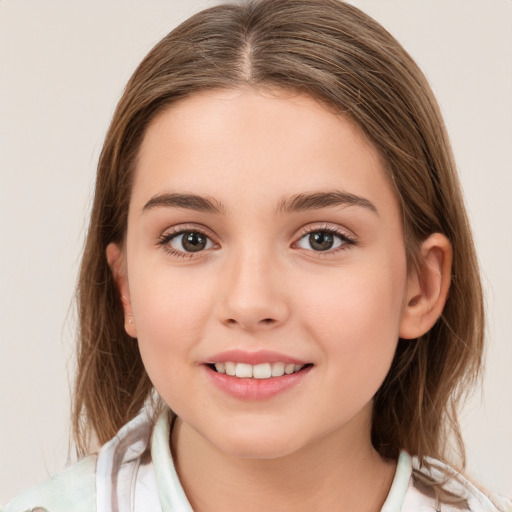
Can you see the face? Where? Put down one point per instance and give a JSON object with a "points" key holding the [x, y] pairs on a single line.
{"points": [[264, 266]]}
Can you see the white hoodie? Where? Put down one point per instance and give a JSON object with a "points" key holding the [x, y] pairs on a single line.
{"points": [[134, 472]]}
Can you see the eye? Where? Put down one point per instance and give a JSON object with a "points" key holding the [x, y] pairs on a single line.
{"points": [[188, 241], [323, 240]]}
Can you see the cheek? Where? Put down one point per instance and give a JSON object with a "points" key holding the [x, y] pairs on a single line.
{"points": [[352, 303], [355, 321], [171, 314]]}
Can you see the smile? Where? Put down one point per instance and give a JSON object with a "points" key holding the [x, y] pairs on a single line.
{"points": [[255, 375], [260, 381], [257, 371]]}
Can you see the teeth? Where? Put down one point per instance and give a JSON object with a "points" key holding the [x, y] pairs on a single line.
{"points": [[230, 368], [262, 371], [277, 369], [289, 369], [243, 370], [258, 371]]}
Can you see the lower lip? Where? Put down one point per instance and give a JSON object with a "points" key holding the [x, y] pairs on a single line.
{"points": [[256, 389]]}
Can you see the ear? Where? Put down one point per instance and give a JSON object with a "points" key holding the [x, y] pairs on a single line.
{"points": [[116, 262], [427, 288]]}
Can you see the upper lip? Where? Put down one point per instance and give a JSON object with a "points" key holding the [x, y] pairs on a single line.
{"points": [[253, 358]]}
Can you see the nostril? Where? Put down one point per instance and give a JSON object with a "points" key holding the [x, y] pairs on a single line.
{"points": [[264, 322]]}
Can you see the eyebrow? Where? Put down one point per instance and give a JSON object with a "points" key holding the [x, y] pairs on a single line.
{"points": [[186, 201], [318, 200], [295, 203]]}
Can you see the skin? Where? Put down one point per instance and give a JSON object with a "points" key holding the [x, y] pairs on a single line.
{"points": [[259, 284]]}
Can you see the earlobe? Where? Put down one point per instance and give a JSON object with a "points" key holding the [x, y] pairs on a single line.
{"points": [[427, 287], [116, 262]]}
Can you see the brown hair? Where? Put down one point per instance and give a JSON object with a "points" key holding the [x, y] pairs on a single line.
{"points": [[340, 56]]}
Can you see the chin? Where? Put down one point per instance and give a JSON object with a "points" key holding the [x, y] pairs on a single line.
{"points": [[263, 449], [258, 442]]}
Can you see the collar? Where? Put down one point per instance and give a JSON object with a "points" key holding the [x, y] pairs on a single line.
{"points": [[173, 498], [171, 493]]}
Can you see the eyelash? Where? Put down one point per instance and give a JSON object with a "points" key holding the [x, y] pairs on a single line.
{"points": [[166, 238], [346, 240]]}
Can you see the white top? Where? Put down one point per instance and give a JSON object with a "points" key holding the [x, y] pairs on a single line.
{"points": [[134, 472]]}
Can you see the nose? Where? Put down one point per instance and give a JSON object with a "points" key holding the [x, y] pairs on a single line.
{"points": [[253, 294]]}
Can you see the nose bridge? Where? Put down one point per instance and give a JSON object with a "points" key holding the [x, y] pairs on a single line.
{"points": [[253, 296]]}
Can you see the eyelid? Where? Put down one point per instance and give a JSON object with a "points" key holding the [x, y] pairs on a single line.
{"points": [[346, 235], [174, 231], [188, 226]]}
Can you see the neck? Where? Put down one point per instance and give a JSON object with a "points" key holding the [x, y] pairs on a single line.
{"points": [[326, 475]]}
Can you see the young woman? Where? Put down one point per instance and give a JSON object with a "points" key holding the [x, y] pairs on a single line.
{"points": [[279, 300]]}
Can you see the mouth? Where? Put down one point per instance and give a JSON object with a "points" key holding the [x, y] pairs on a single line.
{"points": [[256, 375], [259, 371]]}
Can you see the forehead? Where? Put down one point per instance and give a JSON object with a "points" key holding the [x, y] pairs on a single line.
{"points": [[250, 145]]}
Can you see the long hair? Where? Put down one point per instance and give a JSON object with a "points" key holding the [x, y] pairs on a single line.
{"points": [[345, 60]]}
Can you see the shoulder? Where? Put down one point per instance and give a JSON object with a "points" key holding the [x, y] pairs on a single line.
{"points": [[452, 491], [104, 481], [72, 490]]}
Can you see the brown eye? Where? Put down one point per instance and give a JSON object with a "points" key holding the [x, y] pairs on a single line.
{"points": [[322, 240], [190, 241]]}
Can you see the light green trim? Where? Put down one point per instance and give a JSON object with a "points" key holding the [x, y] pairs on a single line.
{"points": [[400, 485], [171, 493]]}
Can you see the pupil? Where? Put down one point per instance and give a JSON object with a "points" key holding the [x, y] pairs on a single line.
{"points": [[193, 242], [321, 241]]}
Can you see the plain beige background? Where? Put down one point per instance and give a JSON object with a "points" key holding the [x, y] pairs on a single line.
{"points": [[63, 65]]}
